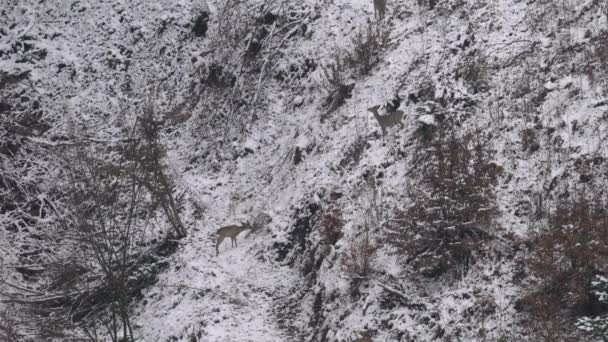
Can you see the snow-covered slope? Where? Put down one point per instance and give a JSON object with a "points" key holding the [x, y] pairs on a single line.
{"points": [[258, 145]]}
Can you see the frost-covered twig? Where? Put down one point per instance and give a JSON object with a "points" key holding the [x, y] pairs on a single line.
{"points": [[399, 294]]}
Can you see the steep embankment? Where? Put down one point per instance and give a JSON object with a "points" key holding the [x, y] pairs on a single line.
{"points": [[526, 80]]}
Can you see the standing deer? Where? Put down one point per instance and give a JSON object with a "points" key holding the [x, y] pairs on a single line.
{"points": [[387, 120], [363, 339], [229, 231], [379, 7]]}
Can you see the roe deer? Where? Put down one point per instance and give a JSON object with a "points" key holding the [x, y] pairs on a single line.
{"points": [[379, 7], [388, 120], [229, 231]]}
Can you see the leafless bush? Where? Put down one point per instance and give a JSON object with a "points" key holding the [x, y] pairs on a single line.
{"points": [[108, 201], [353, 153], [564, 257], [358, 259], [245, 42], [9, 328], [475, 73], [147, 154], [260, 220], [336, 85], [112, 208], [102, 229], [368, 45], [112, 194], [589, 167], [335, 73], [529, 141], [331, 225], [451, 208]]}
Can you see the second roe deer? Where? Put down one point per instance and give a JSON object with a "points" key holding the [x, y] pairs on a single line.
{"points": [[363, 339], [229, 231], [379, 7], [387, 120]]}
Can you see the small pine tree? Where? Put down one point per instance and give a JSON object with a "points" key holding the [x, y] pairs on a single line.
{"points": [[450, 208]]}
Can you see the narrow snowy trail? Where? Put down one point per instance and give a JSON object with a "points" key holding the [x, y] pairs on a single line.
{"points": [[222, 298], [247, 287], [230, 296]]}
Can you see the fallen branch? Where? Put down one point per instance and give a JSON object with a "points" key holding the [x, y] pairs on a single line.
{"points": [[402, 295]]}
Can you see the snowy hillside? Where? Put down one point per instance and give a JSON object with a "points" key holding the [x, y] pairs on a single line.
{"points": [[483, 216]]}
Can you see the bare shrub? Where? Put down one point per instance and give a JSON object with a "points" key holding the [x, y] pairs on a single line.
{"points": [[335, 73], [353, 153], [450, 210], [475, 73], [529, 141], [9, 328], [108, 202], [260, 220], [360, 253], [368, 45], [331, 225], [243, 49], [335, 82], [147, 154], [358, 259], [112, 196], [565, 256]]}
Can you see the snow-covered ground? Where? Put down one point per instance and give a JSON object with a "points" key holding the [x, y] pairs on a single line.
{"points": [[102, 56]]}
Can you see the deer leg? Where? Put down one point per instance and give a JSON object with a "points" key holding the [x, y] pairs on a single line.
{"points": [[217, 245], [236, 244]]}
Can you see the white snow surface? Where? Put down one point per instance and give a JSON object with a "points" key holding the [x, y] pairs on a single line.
{"points": [[243, 294]]}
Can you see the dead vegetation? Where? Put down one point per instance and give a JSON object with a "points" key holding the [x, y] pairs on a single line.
{"points": [[110, 241], [346, 65], [331, 225], [565, 255], [367, 46]]}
